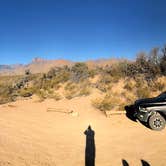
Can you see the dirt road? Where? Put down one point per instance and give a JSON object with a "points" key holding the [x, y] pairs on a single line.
{"points": [[31, 136]]}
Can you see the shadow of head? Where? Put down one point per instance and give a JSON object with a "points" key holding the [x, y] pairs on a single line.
{"points": [[145, 163], [124, 163], [130, 112]]}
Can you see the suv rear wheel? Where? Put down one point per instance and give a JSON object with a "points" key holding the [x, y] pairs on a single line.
{"points": [[157, 122]]}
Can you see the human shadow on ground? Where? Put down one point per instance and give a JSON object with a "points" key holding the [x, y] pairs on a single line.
{"points": [[124, 163], [90, 149], [143, 162]]}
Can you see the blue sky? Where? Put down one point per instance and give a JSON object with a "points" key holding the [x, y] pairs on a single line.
{"points": [[79, 29]]}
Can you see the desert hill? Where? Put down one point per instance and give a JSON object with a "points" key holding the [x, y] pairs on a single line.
{"points": [[39, 65]]}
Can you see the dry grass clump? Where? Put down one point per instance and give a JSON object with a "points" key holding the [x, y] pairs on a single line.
{"points": [[77, 89], [129, 97], [85, 88], [26, 92], [56, 96], [138, 88], [108, 103], [160, 84], [7, 91], [142, 88], [71, 90], [41, 94], [143, 92], [85, 91], [104, 83], [44, 94], [129, 84]]}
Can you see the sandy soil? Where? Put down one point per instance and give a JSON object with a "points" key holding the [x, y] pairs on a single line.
{"points": [[31, 136]]}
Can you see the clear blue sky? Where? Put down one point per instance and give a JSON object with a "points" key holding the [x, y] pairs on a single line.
{"points": [[79, 29]]}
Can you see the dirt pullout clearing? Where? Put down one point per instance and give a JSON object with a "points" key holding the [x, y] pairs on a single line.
{"points": [[31, 136]]}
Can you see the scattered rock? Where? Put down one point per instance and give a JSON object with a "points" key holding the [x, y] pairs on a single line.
{"points": [[74, 114]]}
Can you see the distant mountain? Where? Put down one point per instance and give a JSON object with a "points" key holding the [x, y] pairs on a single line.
{"points": [[101, 62], [6, 67], [39, 65]]}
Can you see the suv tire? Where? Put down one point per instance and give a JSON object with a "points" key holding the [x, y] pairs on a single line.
{"points": [[157, 122]]}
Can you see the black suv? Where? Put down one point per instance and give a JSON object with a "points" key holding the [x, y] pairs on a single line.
{"points": [[152, 111]]}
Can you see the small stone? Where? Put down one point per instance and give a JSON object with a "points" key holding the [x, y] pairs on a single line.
{"points": [[74, 114]]}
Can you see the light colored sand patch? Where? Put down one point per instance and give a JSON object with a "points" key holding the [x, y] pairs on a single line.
{"points": [[30, 136]]}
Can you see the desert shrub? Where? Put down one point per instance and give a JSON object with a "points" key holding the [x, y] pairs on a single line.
{"points": [[27, 72], [163, 67], [111, 73], [92, 73], [71, 90], [70, 86], [26, 92], [102, 105], [52, 72], [50, 93], [46, 84], [132, 70], [84, 91], [53, 78], [163, 61], [57, 96], [80, 72], [74, 89], [6, 94], [143, 92], [41, 94], [129, 96], [101, 86], [107, 103], [140, 66], [71, 94], [128, 86], [146, 65], [106, 79], [159, 84], [53, 95], [61, 77], [121, 69], [105, 83], [8, 91], [140, 81]]}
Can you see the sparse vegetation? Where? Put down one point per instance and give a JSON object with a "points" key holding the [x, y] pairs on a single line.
{"points": [[141, 78], [107, 103]]}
